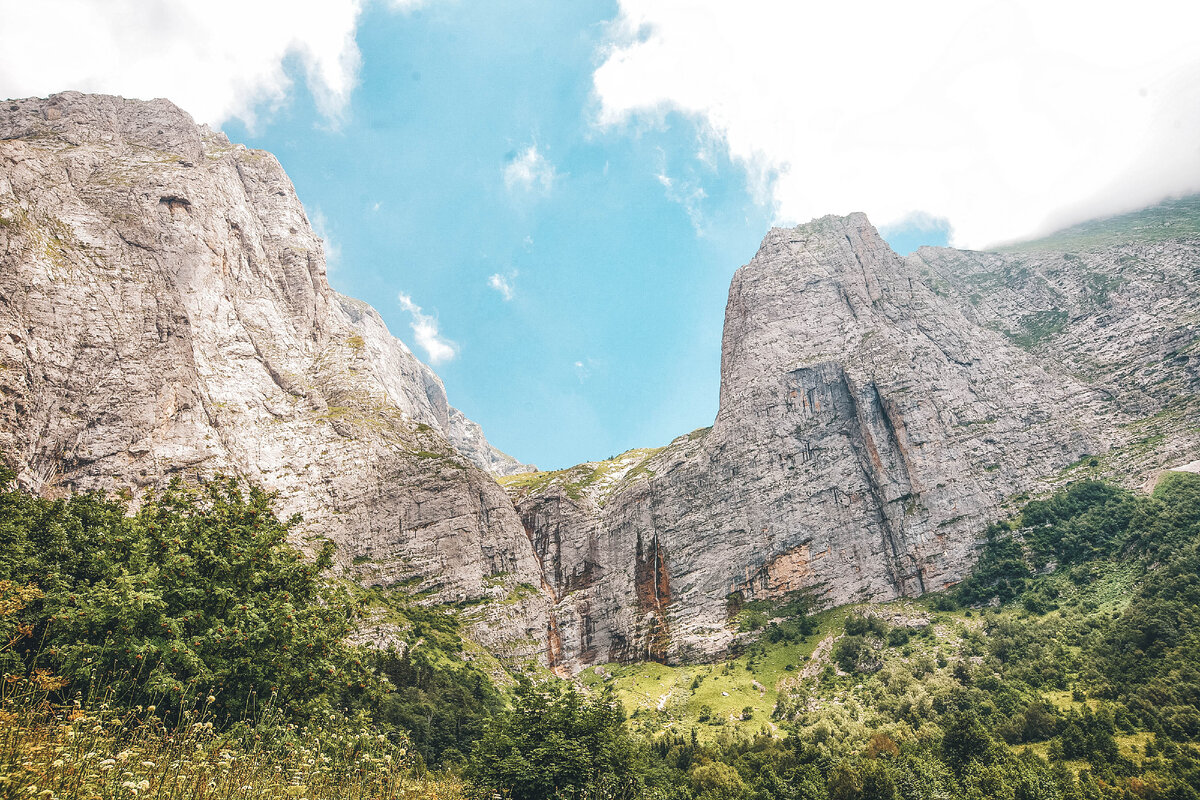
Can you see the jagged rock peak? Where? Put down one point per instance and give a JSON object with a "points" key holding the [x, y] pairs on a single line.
{"points": [[160, 131], [117, 122]]}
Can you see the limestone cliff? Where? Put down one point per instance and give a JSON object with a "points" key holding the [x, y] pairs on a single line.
{"points": [[875, 413], [164, 310]]}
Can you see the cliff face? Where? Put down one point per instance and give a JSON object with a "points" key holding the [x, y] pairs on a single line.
{"points": [[875, 413], [164, 310]]}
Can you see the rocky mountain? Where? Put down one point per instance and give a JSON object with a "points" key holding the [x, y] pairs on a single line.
{"points": [[164, 311], [875, 412]]}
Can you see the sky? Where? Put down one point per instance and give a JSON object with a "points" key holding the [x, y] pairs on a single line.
{"points": [[546, 200]]}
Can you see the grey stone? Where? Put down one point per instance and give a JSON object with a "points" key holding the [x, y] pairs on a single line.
{"points": [[164, 310], [875, 414]]}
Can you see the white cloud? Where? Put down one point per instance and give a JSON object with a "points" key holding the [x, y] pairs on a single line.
{"points": [[1003, 118], [217, 59], [921, 222], [503, 284], [320, 226], [529, 171], [425, 329], [686, 192]]}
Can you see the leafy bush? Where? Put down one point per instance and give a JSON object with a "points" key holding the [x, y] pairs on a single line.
{"points": [[197, 595], [444, 706], [555, 742]]}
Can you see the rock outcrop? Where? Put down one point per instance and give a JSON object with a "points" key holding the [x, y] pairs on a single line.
{"points": [[875, 413], [164, 310]]}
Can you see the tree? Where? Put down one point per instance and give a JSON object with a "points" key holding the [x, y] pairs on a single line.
{"points": [[198, 595], [967, 740], [555, 742]]}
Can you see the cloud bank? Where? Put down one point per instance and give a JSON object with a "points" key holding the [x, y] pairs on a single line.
{"points": [[1007, 119], [425, 329], [217, 59]]}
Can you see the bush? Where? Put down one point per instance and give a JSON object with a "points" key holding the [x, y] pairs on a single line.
{"points": [[197, 595], [556, 743]]}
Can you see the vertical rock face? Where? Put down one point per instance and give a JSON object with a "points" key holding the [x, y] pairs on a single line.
{"points": [[164, 310], [875, 413]]}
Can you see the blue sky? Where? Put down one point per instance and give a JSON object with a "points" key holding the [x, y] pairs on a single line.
{"points": [[557, 193], [611, 337]]}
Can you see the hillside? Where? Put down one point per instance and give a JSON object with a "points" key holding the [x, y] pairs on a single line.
{"points": [[166, 312], [1063, 667], [876, 413]]}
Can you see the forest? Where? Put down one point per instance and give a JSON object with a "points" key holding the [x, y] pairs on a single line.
{"points": [[187, 648]]}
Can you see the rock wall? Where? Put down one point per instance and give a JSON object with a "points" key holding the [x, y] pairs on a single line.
{"points": [[164, 310], [875, 414]]}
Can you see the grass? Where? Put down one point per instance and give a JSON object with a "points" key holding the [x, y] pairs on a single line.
{"points": [[1129, 745], [93, 751], [597, 479], [660, 697], [1168, 220], [711, 697], [1038, 327]]}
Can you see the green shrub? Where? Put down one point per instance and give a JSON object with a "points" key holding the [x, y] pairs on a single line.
{"points": [[196, 595], [556, 743]]}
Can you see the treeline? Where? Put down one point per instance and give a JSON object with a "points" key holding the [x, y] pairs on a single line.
{"points": [[198, 605], [1061, 692]]}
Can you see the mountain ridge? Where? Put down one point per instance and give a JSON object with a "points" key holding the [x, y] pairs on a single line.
{"points": [[943, 414], [164, 310]]}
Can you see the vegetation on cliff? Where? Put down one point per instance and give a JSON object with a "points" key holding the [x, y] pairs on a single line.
{"points": [[187, 650]]}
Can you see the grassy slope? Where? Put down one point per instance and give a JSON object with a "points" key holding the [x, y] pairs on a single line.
{"points": [[662, 698], [597, 478], [1167, 220]]}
